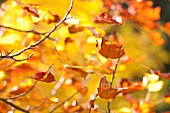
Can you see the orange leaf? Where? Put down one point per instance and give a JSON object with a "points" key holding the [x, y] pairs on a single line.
{"points": [[156, 38], [17, 90], [44, 77], [77, 71], [167, 98], [105, 91], [51, 18], [74, 29], [162, 75], [109, 50], [106, 18], [128, 87]]}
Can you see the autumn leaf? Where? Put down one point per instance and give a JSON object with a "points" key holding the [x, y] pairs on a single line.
{"points": [[109, 50], [162, 75], [30, 8], [105, 91], [77, 71], [106, 18], [51, 18], [128, 87], [156, 38], [17, 90], [167, 98], [44, 77], [74, 29], [68, 40]]}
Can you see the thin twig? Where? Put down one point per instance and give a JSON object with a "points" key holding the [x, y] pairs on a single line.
{"points": [[27, 31], [114, 72], [42, 40], [13, 105], [66, 100], [23, 94], [41, 104], [92, 103], [111, 82]]}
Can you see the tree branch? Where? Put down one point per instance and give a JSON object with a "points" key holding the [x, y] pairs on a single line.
{"points": [[66, 100], [28, 31], [92, 103], [23, 94], [13, 105], [40, 41]]}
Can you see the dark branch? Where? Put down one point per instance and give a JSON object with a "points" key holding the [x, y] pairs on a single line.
{"points": [[13, 105], [92, 103], [66, 100], [40, 41], [28, 31]]}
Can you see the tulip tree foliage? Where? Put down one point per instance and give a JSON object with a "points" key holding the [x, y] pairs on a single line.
{"points": [[83, 56]]}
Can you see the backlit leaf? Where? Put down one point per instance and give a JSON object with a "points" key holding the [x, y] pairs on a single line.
{"points": [[105, 91], [77, 71], [44, 77], [167, 98], [109, 50], [106, 18], [128, 87], [30, 8], [74, 29], [162, 75]]}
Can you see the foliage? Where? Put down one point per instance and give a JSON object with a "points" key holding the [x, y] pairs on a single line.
{"points": [[57, 56]]}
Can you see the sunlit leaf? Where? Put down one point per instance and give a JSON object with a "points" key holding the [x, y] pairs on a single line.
{"points": [[74, 29], [44, 77], [156, 38], [51, 18], [30, 8], [77, 71], [105, 91], [128, 87], [22, 88], [167, 98], [109, 50], [162, 75], [155, 86], [106, 18]]}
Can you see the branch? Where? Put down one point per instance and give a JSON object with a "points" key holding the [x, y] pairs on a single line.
{"points": [[28, 31], [66, 100], [23, 94], [92, 103], [40, 41], [13, 105], [111, 82]]}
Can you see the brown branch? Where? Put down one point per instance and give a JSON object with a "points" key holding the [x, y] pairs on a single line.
{"points": [[23, 94], [111, 82], [13, 105], [28, 31], [66, 100], [92, 103], [40, 41]]}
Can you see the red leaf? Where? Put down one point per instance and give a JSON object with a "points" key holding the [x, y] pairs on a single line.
{"points": [[44, 77], [109, 50], [105, 91], [162, 75], [106, 18]]}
